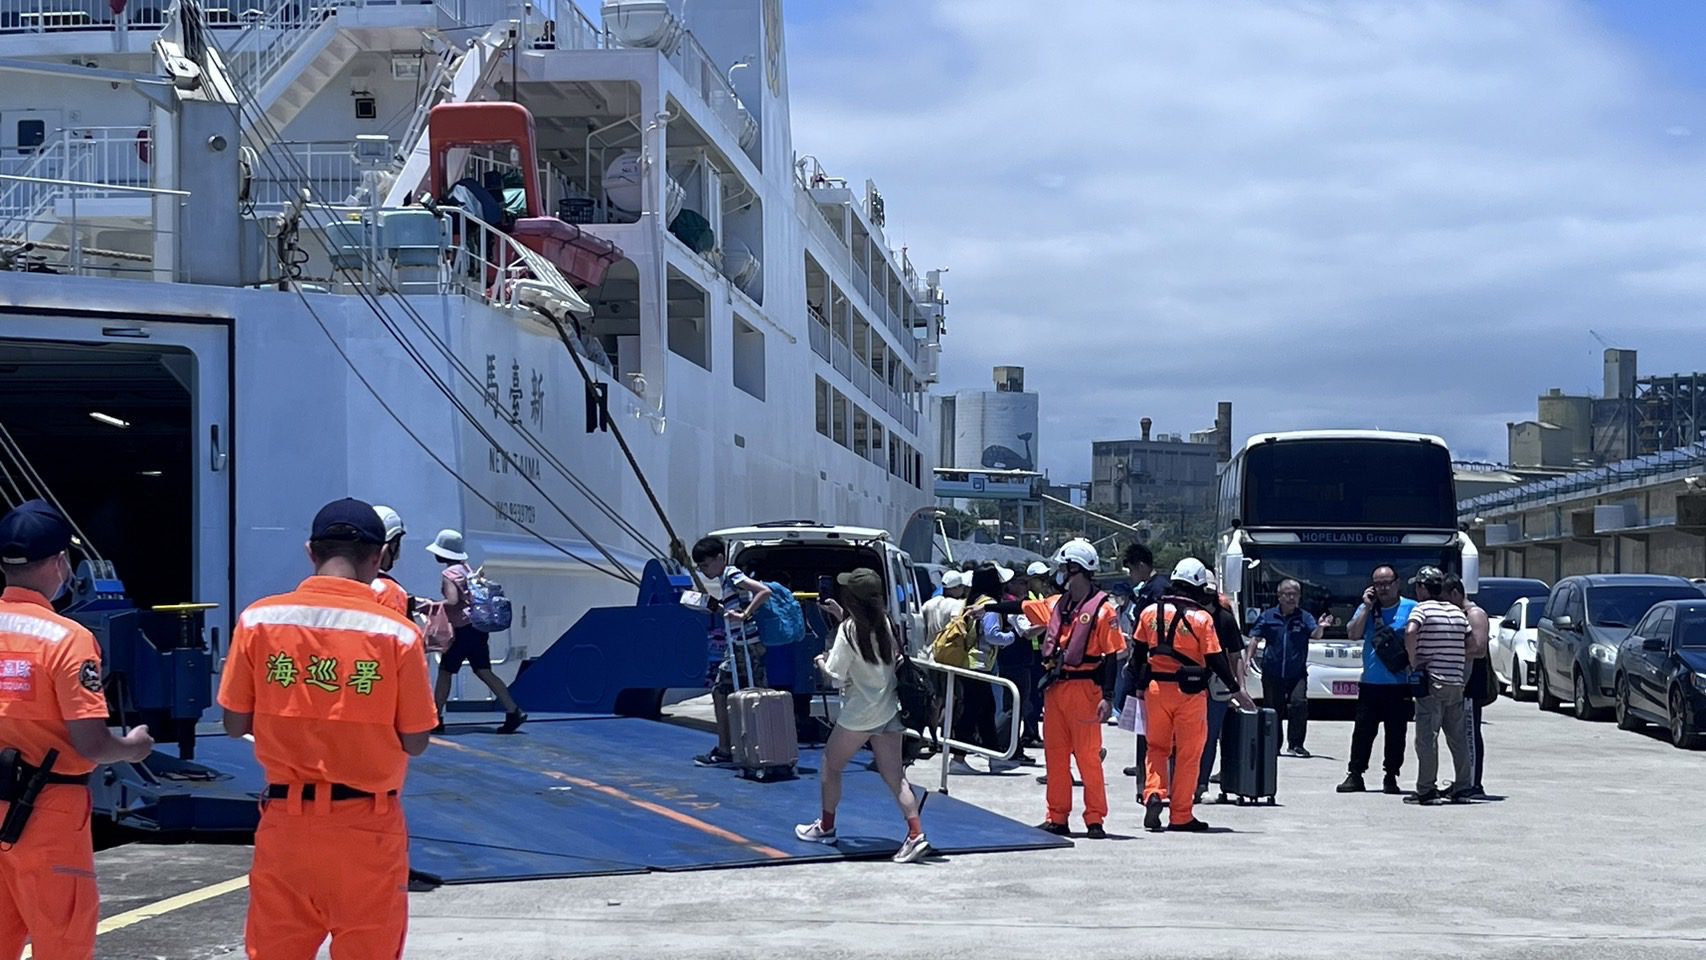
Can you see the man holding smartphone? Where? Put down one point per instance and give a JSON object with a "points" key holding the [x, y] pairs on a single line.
{"points": [[1383, 697]]}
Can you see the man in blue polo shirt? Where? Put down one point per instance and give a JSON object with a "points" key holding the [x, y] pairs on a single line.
{"points": [[1284, 633], [1383, 697]]}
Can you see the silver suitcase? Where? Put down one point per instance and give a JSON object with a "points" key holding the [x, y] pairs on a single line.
{"points": [[762, 735]]}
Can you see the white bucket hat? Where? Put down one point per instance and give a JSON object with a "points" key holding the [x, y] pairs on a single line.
{"points": [[953, 579], [449, 546]]}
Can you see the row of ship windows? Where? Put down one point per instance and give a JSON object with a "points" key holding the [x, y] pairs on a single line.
{"points": [[845, 422]]}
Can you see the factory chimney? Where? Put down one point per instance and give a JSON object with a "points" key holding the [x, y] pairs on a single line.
{"points": [[1146, 423]]}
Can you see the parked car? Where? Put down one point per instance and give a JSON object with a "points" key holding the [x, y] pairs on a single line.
{"points": [[1511, 648], [1496, 594], [1661, 672], [1586, 621]]}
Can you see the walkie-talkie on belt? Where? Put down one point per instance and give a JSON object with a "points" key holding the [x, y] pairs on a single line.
{"points": [[24, 804]]}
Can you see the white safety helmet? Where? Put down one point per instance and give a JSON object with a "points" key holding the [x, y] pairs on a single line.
{"points": [[1080, 552], [1038, 569], [1192, 571], [393, 522], [953, 580]]}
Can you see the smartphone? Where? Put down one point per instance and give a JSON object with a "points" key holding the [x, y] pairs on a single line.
{"points": [[825, 588]]}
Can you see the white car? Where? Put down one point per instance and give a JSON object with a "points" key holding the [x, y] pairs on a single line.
{"points": [[1512, 645]]}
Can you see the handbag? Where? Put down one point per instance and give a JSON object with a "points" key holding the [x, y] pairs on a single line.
{"points": [[439, 633]]}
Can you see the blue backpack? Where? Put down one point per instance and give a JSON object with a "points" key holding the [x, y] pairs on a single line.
{"points": [[488, 608], [780, 619]]}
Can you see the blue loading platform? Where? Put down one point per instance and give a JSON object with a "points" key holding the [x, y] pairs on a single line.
{"points": [[591, 796]]}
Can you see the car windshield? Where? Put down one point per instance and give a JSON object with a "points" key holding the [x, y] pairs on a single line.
{"points": [[1333, 578], [1500, 596], [1691, 632], [1624, 606]]}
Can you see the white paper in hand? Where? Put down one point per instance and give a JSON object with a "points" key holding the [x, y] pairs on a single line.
{"points": [[1132, 717]]}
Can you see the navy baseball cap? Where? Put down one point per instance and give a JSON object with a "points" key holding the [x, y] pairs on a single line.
{"points": [[348, 519], [34, 531]]}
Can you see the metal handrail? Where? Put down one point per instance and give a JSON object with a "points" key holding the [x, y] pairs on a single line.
{"points": [[946, 740]]}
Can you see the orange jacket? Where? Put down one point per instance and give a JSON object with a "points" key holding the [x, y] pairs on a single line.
{"points": [[50, 672], [332, 677]]}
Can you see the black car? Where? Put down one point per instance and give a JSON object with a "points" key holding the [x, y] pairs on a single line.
{"points": [[1661, 672], [1587, 619]]}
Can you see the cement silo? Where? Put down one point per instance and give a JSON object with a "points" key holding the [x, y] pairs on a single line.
{"points": [[1575, 415], [997, 429]]}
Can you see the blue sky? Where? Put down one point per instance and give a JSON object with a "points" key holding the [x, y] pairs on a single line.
{"points": [[1393, 213]]}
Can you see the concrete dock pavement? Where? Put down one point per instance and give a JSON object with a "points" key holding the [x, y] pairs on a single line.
{"points": [[1589, 855]]}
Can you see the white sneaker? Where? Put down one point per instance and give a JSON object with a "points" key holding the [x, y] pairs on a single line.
{"points": [[815, 833], [912, 850], [960, 767]]}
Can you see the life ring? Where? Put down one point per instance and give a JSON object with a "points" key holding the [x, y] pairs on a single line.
{"points": [[142, 144]]}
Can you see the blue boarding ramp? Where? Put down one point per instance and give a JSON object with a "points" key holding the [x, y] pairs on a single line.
{"points": [[620, 660], [598, 796]]}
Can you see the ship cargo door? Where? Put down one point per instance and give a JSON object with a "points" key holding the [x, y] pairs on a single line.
{"points": [[126, 424]]}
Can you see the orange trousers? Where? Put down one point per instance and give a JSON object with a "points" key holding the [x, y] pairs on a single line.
{"points": [[325, 868], [1177, 728], [47, 881], [1071, 729]]}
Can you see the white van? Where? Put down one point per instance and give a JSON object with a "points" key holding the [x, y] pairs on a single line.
{"points": [[799, 552]]}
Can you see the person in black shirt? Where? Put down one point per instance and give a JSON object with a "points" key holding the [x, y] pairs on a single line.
{"points": [[1233, 644]]}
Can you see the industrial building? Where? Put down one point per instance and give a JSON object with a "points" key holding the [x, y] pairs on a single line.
{"points": [[1636, 417], [1161, 477]]}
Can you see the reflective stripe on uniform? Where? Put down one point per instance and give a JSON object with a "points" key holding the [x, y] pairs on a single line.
{"points": [[330, 618], [33, 627]]}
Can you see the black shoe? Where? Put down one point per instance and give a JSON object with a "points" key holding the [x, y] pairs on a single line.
{"points": [[1094, 831], [1430, 799], [1152, 815], [1390, 786], [512, 722], [1133, 771], [1192, 825], [1058, 829], [1466, 795], [1353, 784], [1299, 751], [716, 758], [1024, 759]]}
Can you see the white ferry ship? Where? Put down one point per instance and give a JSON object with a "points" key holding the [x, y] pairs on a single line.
{"points": [[253, 259]]}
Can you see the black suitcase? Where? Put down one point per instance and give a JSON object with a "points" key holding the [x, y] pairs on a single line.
{"points": [[1249, 756]]}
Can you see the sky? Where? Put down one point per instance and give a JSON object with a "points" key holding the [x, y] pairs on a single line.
{"points": [[1405, 214]]}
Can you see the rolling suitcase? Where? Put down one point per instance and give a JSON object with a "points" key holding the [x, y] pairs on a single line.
{"points": [[1249, 756], [762, 735]]}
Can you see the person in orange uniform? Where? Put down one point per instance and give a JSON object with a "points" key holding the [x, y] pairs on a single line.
{"points": [[50, 700], [1178, 645], [385, 587], [333, 687], [1080, 645]]}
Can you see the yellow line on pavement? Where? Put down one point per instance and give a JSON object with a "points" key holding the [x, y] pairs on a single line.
{"points": [[162, 907]]}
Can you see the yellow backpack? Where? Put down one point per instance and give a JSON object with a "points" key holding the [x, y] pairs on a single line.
{"points": [[953, 646]]}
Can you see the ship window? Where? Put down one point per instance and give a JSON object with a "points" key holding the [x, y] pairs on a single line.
{"points": [[839, 412], [876, 442], [861, 433], [689, 322], [823, 401], [31, 134], [749, 358]]}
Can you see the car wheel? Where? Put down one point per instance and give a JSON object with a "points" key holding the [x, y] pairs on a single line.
{"points": [[1682, 735], [1543, 689], [1517, 692], [1625, 719], [1583, 707]]}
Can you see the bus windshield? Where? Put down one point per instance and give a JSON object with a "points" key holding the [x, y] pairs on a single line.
{"points": [[1349, 483], [1334, 579]]}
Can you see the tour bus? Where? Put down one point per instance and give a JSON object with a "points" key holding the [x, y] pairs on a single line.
{"points": [[1324, 508]]}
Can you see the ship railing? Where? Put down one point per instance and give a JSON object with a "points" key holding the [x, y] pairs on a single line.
{"points": [[92, 157], [819, 332], [942, 737], [74, 236], [326, 167], [58, 16], [862, 378], [272, 35], [842, 357], [712, 84]]}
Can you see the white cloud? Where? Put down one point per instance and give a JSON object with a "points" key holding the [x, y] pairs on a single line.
{"points": [[1404, 214]]}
